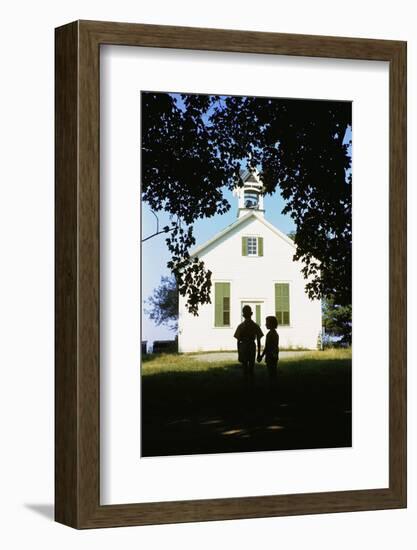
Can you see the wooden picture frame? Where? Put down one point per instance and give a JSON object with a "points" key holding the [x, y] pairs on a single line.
{"points": [[77, 405]]}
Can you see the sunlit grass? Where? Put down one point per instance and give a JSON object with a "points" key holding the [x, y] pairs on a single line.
{"points": [[172, 362]]}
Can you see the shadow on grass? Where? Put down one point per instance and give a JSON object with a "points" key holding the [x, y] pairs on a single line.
{"points": [[213, 411]]}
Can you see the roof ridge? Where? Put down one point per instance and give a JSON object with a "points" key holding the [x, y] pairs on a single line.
{"points": [[237, 222]]}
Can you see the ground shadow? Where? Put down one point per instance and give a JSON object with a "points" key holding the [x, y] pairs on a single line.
{"points": [[213, 411]]}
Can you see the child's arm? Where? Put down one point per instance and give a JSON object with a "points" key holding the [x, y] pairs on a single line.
{"points": [[262, 355], [258, 343]]}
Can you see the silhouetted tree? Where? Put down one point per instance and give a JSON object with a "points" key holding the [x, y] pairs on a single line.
{"points": [[164, 304], [337, 320], [192, 151]]}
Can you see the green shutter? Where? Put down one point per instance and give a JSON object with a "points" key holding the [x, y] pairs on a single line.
{"points": [[258, 313], [260, 246], [244, 246], [226, 311], [221, 304], [282, 303]]}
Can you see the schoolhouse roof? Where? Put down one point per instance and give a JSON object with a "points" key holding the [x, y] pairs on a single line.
{"points": [[234, 225]]}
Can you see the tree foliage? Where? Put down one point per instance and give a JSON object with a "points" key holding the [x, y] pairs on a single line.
{"points": [[192, 151], [337, 320], [163, 304], [182, 175]]}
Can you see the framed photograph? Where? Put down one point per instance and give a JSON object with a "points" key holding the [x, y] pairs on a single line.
{"points": [[230, 274]]}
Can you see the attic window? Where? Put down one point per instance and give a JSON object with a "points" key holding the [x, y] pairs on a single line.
{"points": [[251, 199], [252, 246]]}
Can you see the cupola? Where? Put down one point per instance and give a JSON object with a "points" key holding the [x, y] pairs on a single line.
{"points": [[250, 195]]}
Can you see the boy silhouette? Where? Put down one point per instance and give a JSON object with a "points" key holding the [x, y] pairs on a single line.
{"points": [[246, 334], [271, 349]]}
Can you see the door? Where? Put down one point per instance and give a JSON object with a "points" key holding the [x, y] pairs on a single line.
{"points": [[257, 310]]}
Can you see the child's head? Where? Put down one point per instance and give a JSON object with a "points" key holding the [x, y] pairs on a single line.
{"points": [[271, 322], [247, 312]]}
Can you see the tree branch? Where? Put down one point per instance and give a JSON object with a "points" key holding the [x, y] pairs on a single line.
{"points": [[165, 230]]}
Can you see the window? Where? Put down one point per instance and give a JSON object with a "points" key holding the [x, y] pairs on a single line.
{"points": [[282, 303], [251, 199], [252, 246], [222, 304]]}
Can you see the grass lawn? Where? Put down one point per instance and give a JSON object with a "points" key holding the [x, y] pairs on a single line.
{"points": [[194, 407]]}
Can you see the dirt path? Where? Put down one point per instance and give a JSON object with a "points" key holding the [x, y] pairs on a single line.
{"points": [[232, 356]]}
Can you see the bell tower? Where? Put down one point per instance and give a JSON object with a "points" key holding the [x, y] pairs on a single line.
{"points": [[250, 195]]}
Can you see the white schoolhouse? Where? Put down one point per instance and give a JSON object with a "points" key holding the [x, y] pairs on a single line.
{"points": [[251, 263]]}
